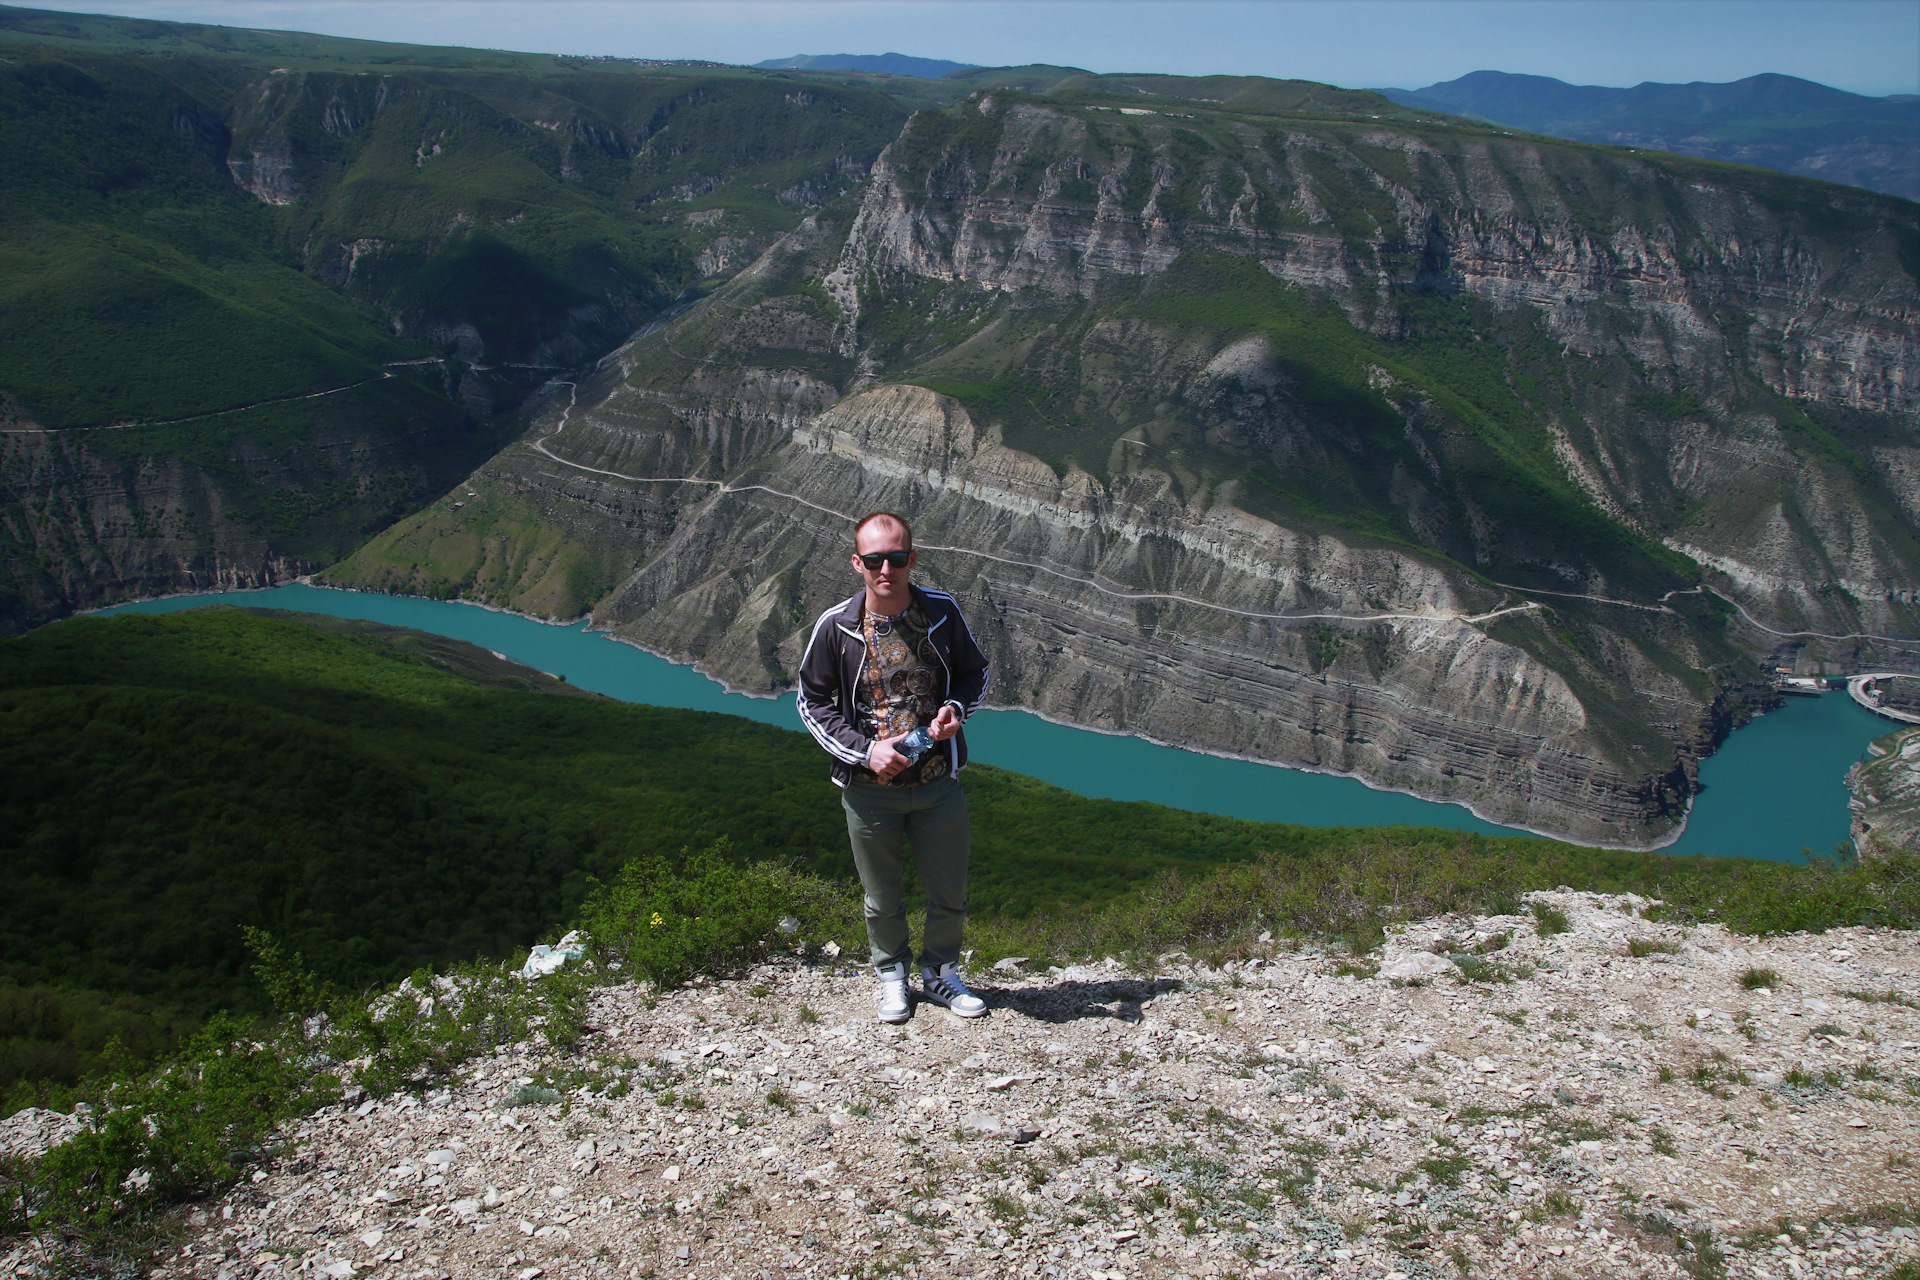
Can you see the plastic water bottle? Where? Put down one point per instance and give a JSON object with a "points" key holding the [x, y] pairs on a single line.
{"points": [[915, 744]]}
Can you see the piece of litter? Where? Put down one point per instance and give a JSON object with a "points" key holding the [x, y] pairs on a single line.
{"points": [[544, 959]]}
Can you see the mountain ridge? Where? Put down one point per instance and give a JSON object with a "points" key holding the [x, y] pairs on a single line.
{"points": [[886, 64], [1776, 121]]}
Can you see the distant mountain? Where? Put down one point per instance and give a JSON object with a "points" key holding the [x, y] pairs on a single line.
{"points": [[1774, 121], [883, 64]]}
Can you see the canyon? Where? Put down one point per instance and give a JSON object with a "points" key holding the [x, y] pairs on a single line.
{"points": [[1479, 467]]}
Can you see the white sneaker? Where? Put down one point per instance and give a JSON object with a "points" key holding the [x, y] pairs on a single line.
{"points": [[895, 1004], [943, 986]]}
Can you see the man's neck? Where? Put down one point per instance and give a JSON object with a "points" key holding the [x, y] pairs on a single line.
{"points": [[893, 606]]}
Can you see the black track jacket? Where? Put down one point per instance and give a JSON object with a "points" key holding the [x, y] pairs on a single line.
{"points": [[836, 656]]}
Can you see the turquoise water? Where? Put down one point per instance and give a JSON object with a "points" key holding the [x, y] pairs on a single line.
{"points": [[1774, 789]]}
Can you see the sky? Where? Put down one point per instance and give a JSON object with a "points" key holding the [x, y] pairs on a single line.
{"points": [[1867, 46]]}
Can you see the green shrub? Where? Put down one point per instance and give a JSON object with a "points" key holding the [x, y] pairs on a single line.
{"points": [[1548, 921], [182, 1131], [1755, 979], [668, 921]]}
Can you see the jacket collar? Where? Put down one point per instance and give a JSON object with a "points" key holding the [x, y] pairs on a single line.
{"points": [[849, 615]]}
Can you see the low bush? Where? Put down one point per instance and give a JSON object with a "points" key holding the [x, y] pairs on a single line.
{"points": [[666, 921]]}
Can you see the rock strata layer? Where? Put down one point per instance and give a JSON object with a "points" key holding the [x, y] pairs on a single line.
{"points": [[1608, 1101]]}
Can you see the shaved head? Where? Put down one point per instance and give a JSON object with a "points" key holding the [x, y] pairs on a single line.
{"points": [[884, 520]]}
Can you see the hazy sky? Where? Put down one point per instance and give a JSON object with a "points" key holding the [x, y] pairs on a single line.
{"points": [[1868, 46]]}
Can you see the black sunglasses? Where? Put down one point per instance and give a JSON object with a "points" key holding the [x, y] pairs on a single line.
{"points": [[898, 559]]}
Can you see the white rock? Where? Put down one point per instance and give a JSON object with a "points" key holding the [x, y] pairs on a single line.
{"points": [[1009, 965], [1416, 965]]}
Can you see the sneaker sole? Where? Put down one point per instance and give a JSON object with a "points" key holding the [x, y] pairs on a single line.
{"points": [[981, 1012]]}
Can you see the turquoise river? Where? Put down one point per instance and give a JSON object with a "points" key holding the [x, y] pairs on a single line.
{"points": [[1774, 789]]}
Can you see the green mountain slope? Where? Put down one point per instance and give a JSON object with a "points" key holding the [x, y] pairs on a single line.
{"points": [[383, 799], [322, 294]]}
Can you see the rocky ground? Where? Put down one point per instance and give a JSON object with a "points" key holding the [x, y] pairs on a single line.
{"points": [[1556, 1107]]}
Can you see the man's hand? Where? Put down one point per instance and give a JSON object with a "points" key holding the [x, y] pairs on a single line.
{"points": [[946, 724], [883, 760]]}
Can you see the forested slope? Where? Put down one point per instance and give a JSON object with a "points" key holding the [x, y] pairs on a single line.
{"points": [[260, 300]]}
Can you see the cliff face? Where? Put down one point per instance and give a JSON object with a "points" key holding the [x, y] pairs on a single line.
{"points": [[88, 518], [1886, 796], [1722, 308], [1342, 445]]}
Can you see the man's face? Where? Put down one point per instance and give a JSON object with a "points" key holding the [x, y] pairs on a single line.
{"points": [[877, 538]]}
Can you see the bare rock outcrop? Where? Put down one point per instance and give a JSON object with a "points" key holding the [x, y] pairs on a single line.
{"points": [[1608, 1101]]}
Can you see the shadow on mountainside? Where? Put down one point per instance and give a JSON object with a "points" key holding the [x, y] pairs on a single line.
{"points": [[1072, 1001]]}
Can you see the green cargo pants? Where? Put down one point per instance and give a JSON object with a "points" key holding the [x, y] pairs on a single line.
{"points": [[881, 821]]}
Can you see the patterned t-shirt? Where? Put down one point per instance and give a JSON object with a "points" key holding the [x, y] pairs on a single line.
{"points": [[897, 689]]}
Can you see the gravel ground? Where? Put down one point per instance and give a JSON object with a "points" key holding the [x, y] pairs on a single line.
{"points": [[1553, 1107]]}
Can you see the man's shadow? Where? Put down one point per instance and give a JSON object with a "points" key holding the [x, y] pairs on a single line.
{"points": [[1123, 999]]}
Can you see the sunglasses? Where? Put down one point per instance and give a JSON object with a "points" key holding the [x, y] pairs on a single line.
{"points": [[898, 559]]}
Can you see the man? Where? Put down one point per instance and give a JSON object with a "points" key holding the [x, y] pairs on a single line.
{"points": [[890, 659]]}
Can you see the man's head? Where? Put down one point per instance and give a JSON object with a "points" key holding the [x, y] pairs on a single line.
{"points": [[883, 555]]}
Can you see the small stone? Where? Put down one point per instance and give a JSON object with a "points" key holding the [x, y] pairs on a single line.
{"points": [[585, 1150], [683, 1252], [342, 1270], [1009, 965], [467, 1208], [530, 1273], [371, 1238], [670, 1174], [984, 1123], [1856, 1123]]}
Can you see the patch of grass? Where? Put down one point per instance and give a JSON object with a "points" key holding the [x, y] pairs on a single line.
{"points": [[1444, 1170], [1755, 979], [1640, 948], [1548, 921], [1888, 996]]}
